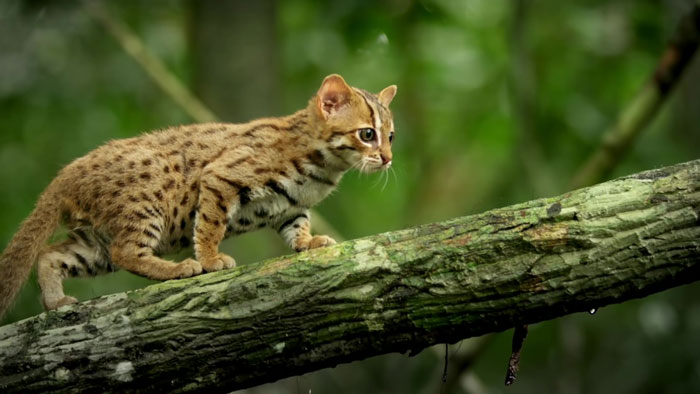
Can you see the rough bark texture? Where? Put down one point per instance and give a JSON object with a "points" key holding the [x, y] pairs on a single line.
{"points": [[393, 292]]}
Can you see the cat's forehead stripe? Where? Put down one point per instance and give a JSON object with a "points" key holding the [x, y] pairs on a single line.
{"points": [[367, 97], [377, 122], [374, 108], [386, 115], [381, 112]]}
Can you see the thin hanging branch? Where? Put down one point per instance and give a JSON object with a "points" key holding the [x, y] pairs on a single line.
{"points": [[461, 360], [394, 292], [641, 110], [519, 335], [156, 70]]}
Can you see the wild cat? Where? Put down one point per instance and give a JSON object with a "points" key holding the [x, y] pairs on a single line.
{"points": [[131, 200]]}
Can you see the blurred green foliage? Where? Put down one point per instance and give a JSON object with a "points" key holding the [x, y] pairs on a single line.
{"points": [[485, 87]]}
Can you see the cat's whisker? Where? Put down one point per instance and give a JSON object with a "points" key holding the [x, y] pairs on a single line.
{"points": [[360, 164], [356, 164], [379, 180], [386, 178], [393, 172]]}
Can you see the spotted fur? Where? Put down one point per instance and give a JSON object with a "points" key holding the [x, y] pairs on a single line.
{"points": [[132, 200]]}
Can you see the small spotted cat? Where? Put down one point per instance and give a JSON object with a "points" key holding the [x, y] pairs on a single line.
{"points": [[131, 200]]}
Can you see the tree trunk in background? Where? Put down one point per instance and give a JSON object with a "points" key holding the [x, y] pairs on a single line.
{"points": [[235, 61], [685, 122], [686, 125], [235, 57], [393, 292]]}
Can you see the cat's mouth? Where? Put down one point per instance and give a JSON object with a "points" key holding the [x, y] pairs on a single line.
{"points": [[377, 166]]}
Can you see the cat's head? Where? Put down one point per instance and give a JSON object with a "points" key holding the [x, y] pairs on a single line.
{"points": [[357, 125]]}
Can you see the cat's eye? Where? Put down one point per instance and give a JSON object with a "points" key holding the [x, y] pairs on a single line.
{"points": [[391, 137], [367, 134]]}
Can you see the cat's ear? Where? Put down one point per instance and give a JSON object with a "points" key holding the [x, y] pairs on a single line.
{"points": [[386, 95], [333, 95]]}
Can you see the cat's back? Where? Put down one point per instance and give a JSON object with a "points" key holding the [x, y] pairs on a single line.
{"points": [[155, 169], [138, 155]]}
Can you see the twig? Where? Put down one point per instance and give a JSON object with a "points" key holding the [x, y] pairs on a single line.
{"points": [[150, 63], [447, 356], [519, 335], [639, 113], [460, 362]]}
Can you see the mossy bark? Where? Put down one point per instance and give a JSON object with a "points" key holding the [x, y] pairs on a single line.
{"points": [[394, 292]]}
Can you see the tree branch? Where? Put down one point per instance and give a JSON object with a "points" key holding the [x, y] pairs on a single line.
{"points": [[394, 292]]}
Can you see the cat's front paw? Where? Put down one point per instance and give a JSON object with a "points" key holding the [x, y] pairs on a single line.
{"points": [[187, 268], [66, 300], [319, 241], [219, 262]]}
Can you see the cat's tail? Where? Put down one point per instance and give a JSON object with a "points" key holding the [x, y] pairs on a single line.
{"points": [[24, 248]]}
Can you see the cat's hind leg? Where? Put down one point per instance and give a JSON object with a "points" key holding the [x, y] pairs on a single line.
{"points": [[137, 256], [79, 256]]}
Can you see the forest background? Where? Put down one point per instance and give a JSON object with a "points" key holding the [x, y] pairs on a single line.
{"points": [[499, 102]]}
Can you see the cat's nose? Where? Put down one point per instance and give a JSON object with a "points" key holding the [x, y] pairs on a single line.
{"points": [[386, 159]]}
